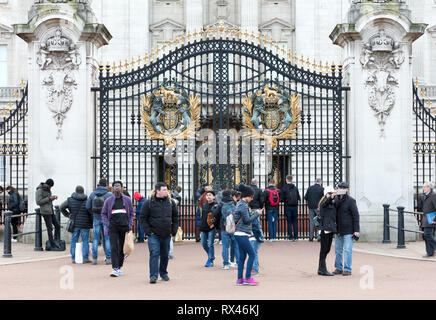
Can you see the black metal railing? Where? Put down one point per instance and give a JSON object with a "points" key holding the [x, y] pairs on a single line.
{"points": [[400, 226]]}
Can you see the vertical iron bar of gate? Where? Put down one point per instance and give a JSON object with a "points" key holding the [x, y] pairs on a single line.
{"points": [[337, 124]]}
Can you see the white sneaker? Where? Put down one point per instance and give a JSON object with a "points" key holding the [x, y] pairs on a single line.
{"points": [[221, 242], [120, 273], [225, 267], [115, 273], [233, 264], [14, 240]]}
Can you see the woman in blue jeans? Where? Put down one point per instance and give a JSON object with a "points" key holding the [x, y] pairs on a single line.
{"points": [[244, 220]]}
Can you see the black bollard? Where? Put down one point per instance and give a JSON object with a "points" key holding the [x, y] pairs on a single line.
{"points": [[386, 229], [401, 244], [7, 235], [38, 231]]}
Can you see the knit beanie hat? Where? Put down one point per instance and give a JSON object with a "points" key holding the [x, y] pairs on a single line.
{"points": [[245, 191], [137, 196], [50, 182]]}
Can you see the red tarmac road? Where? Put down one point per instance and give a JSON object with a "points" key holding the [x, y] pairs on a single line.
{"points": [[288, 272]]}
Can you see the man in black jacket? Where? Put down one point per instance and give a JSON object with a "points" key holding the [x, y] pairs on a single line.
{"points": [[159, 221], [428, 206], [348, 228], [75, 208], [290, 196], [14, 206], [313, 197], [258, 198]]}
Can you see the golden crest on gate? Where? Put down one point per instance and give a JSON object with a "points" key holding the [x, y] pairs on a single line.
{"points": [[272, 112]]}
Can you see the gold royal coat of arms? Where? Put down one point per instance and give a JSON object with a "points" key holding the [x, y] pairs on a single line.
{"points": [[170, 114], [272, 112]]}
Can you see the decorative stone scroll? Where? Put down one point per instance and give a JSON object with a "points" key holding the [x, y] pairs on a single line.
{"points": [[58, 56], [381, 57]]}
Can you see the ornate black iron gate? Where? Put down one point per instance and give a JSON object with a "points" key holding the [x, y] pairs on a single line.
{"points": [[425, 141], [201, 110]]}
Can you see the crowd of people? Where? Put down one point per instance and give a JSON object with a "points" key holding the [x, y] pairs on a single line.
{"points": [[234, 214]]}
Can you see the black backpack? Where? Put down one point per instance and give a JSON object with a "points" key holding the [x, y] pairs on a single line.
{"points": [[97, 203], [292, 197]]}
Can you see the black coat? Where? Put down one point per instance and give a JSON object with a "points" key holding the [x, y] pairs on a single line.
{"points": [[284, 193], [347, 219], [207, 207], [328, 214], [77, 211], [313, 195], [428, 206], [159, 216], [258, 198], [266, 198], [14, 203]]}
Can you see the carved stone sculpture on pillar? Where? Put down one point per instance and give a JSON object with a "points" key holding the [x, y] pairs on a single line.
{"points": [[58, 57], [381, 57]]}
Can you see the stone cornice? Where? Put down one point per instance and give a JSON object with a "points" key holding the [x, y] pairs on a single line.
{"points": [[344, 32]]}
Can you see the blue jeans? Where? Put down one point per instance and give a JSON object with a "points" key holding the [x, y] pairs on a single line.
{"points": [[244, 249], [292, 220], [84, 234], [98, 228], [255, 244], [272, 217], [159, 248], [140, 231], [229, 242], [344, 244], [207, 240]]}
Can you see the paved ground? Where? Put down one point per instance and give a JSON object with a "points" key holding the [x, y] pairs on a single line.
{"points": [[288, 272]]}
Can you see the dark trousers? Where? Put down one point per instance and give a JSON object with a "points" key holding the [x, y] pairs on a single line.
{"points": [[159, 248], [15, 222], [117, 235], [430, 242], [197, 234], [326, 243], [292, 219], [50, 221]]}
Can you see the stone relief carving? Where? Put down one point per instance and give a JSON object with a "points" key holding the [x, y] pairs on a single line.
{"points": [[381, 57], [57, 58]]}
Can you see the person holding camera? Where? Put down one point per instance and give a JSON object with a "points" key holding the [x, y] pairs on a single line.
{"points": [[347, 229], [327, 225], [44, 199]]}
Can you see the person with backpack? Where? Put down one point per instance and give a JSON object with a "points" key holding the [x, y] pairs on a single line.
{"points": [[290, 196], [94, 205], [75, 208], [243, 231], [313, 196], [44, 199], [272, 199], [16, 205], [117, 215], [159, 219], [208, 227], [226, 211], [138, 197]]}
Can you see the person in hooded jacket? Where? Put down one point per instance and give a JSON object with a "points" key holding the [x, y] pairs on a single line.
{"points": [[44, 199], [97, 222], [244, 219], [75, 208], [327, 225]]}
